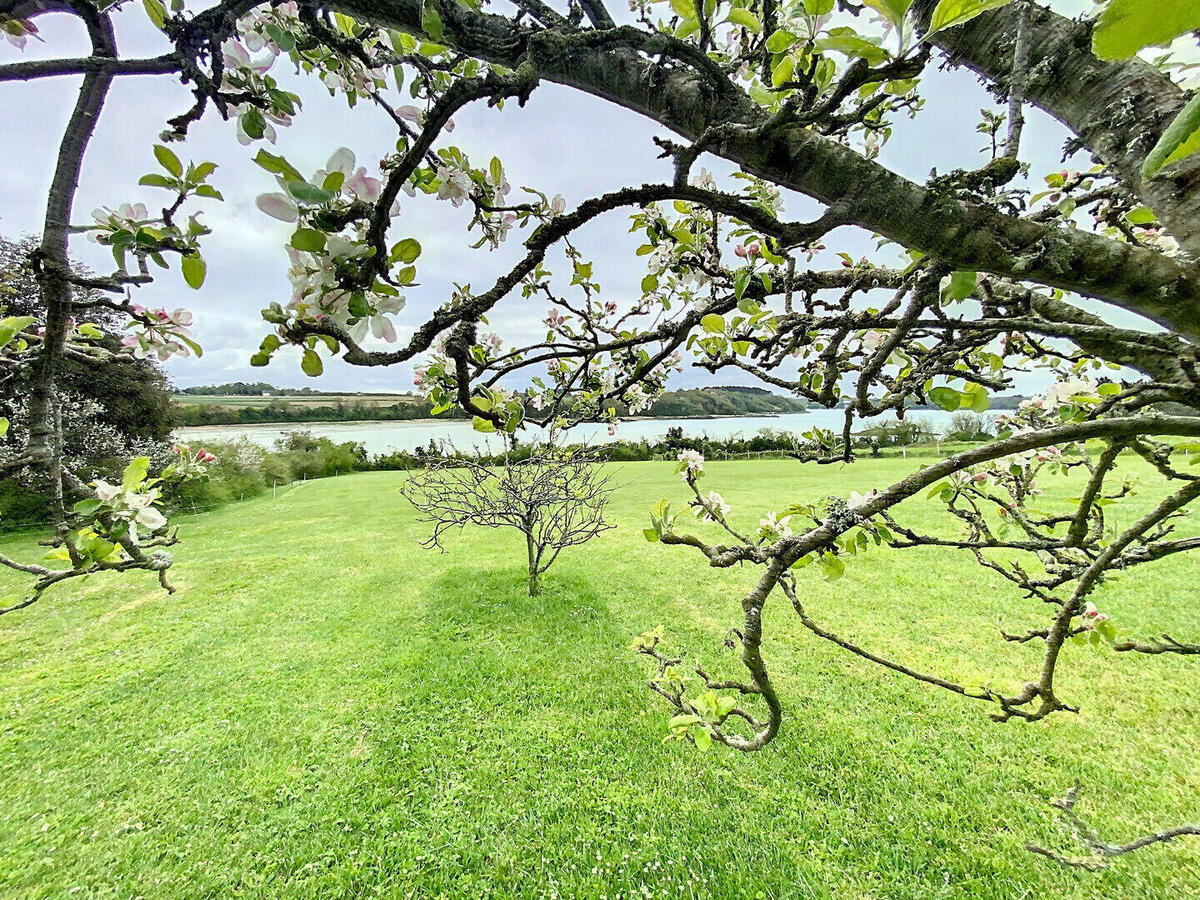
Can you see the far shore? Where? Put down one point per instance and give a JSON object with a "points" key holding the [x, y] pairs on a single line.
{"points": [[436, 421]]}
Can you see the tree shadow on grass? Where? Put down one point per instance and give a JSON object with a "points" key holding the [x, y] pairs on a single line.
{"points": [[494, 608], [488, 647]]}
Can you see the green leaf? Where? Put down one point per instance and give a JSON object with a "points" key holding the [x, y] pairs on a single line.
{"points": [[746, 19], [1126, 26], [308, 193], [309, 240], [1142, 215], [194, 269], [156, 180], [687, 28], [780, 40], [156, 11], [1182, 138], [278, 165], [947, 398], [310, 364], [168, 160], [3, 426], [649, 283], [650, 534], [192, 345], [431, 21], [406, 251], [713, 323], [741, 281], [11, 326], [685, 9], [961, 285], [955, 12], [207, 190], [848, 41], [703, 738], [86, 507], [253, 123], [783, 71], [333, 182], [832, 566], [977, 401], [892, 10], [135, 472]]}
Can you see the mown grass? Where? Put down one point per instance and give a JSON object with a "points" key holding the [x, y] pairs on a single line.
{"points": [[327, 710]]}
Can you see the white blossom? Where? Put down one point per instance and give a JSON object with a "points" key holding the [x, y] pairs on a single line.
{"points": [[691, 463], [771, 528], [1062, 392]]}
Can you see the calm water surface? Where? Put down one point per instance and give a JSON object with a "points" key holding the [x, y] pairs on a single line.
{"points": [[385, 437]]}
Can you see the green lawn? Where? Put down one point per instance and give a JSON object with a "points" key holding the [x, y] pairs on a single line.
{"points": [[325, 709]]}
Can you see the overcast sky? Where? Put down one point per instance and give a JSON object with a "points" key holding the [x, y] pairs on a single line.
{"points": [[563, 141]]}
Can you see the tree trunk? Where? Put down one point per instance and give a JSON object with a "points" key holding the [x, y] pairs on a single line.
{"points": [[535, 586]]}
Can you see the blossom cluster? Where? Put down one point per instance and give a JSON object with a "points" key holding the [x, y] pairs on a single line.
{"points": [[691, 465], [160, 333], [712, 507], [134, 505], [324, 264]]}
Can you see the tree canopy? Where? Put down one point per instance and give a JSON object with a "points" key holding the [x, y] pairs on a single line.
{"points": [[980, 273]]}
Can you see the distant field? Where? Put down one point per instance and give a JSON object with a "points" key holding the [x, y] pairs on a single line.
{"points": [[243, 402], [326, 710]]}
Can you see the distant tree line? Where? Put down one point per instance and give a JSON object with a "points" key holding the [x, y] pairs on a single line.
{"points": [[729, 400], [280, 411]]}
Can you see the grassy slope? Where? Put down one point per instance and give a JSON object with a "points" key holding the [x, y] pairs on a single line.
{"points": [[326, 710]]}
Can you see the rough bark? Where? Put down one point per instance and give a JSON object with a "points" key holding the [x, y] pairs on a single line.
{"points": [[52, 261], [1118, 109]]}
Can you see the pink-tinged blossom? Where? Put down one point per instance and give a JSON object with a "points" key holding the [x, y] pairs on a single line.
{"points": [[278, 206], [455, 184], [873, 340], [16, 31]]}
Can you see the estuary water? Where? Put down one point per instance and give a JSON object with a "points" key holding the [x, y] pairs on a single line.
{"points": [[387, 437]]}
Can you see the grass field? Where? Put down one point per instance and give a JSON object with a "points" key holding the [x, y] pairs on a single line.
{"points": [[327, 710]]}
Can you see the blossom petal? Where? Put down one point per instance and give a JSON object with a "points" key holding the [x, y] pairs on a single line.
{"points": [[277, 206], [341, 161]]}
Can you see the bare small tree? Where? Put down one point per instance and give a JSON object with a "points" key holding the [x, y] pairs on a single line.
{"points": [[556, 498]]}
